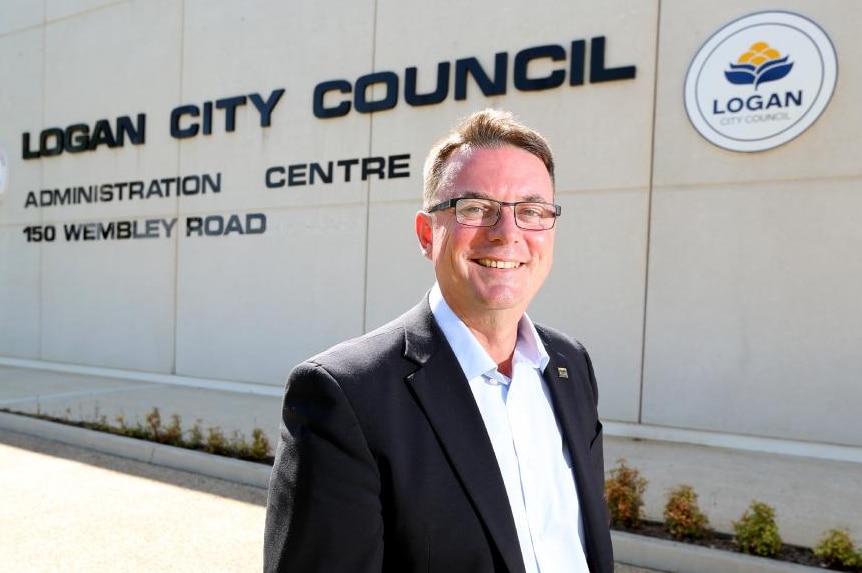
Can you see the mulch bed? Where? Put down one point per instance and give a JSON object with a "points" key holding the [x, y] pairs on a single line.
{"points": [[724, 542]]}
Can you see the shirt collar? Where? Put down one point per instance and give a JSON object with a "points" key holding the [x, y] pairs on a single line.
{"points": [[473, 359]]}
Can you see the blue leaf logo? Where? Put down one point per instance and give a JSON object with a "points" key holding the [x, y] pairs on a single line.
{"points": [[758, 65]]}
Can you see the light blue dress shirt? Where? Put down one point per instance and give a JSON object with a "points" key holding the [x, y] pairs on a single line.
{"points": [[534, 461]]}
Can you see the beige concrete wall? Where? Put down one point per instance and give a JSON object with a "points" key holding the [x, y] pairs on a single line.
{"points": [[715, 290], [754, 321]]}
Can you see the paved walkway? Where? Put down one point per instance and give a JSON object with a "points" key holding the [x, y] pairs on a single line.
{"points": [[75, 510], [147, 516]]}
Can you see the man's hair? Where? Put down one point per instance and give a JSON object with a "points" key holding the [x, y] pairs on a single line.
{"points": [[488, 129]]}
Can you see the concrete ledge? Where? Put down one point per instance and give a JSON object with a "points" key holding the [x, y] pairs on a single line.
{"points": [[239, 471], [797, 448], [675, 557], [148, 377]]}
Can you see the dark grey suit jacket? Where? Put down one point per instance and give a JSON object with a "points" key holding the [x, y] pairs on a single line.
{"points": [[384, 462]]}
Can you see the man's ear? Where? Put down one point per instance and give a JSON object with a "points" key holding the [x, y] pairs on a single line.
{"points": [[425, 232]]}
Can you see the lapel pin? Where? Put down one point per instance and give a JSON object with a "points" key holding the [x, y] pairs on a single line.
{"points": [[562, 373]]}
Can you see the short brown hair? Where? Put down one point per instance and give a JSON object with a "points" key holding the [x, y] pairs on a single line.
{"points": [[488, 128]]}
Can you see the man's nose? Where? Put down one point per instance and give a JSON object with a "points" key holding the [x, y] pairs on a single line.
{"points": [[506, 223]]}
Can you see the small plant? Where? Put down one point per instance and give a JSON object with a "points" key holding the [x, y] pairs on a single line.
{"points": [[757, 532], [216, 442], [154, 425], [624, 495], [682, 516], [196, 436], [238, 447], [836, 549], [173, 434], [260, 447]]}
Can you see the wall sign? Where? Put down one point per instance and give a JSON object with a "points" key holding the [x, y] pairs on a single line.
{"points": [[531, 69], [760, 81]]}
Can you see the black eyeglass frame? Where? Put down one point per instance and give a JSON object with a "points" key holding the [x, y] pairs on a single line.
{"points": [[451, 203]]}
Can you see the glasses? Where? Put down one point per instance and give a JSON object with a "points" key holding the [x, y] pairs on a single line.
{"points": [[477, 212]]}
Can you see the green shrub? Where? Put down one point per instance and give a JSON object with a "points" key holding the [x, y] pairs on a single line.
{"points": [[836, 548], [216, 442], [238, 447], [260, 447], [757, 532], [154, 425], [682, 516], [196, 436], [624, 495], [173, 434]]}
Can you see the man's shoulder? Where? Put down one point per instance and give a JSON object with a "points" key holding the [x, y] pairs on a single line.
{"points": [[571, 353], [559, 340], [376, 350], [381, 338]]}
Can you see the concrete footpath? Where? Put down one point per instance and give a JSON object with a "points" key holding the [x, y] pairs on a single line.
{"points": [[70, 509], [110, 503]]}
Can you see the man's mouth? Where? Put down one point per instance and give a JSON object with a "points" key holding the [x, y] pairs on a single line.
{"points": [[498, 264]]}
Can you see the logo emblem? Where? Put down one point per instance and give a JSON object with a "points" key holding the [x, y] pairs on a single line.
{"points": [[760, 81], [759, 64]]}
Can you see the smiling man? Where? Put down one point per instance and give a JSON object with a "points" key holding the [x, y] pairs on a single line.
{"points": [[461, 436]]}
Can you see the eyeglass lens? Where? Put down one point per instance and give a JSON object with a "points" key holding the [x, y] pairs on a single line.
{"points": [[486, 213]]}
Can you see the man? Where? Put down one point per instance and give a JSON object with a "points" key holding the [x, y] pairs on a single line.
{"points": [[460, 437]]}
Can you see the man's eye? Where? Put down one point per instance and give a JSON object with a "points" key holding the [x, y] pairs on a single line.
{"points": [[473, 209], [533, 211]]}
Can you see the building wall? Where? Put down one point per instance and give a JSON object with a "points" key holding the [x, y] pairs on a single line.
{"points": [[716, 290]]}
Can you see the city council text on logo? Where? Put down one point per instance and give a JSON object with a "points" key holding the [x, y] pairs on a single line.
{"points": [[760, 81]]}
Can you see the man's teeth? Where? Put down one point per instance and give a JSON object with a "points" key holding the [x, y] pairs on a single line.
{"points": [[498, 264]]}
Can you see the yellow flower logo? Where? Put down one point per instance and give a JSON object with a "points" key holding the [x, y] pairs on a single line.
{"points": [[758, 54]]}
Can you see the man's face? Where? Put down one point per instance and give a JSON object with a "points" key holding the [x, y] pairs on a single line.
{"points": [[499, 268]]}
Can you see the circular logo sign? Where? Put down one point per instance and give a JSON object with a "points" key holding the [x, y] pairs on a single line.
{"points": [[760, 81]]}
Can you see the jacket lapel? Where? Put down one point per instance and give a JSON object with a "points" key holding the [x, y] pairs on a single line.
{"points": [[573, 408], [443, 393]]}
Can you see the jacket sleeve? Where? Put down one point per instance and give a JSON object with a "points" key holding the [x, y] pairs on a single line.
{"points": [[323, 511]]}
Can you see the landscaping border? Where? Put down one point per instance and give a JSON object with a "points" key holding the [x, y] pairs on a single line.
{"points": [[678, 557], [629, 548], [230, 469]]}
